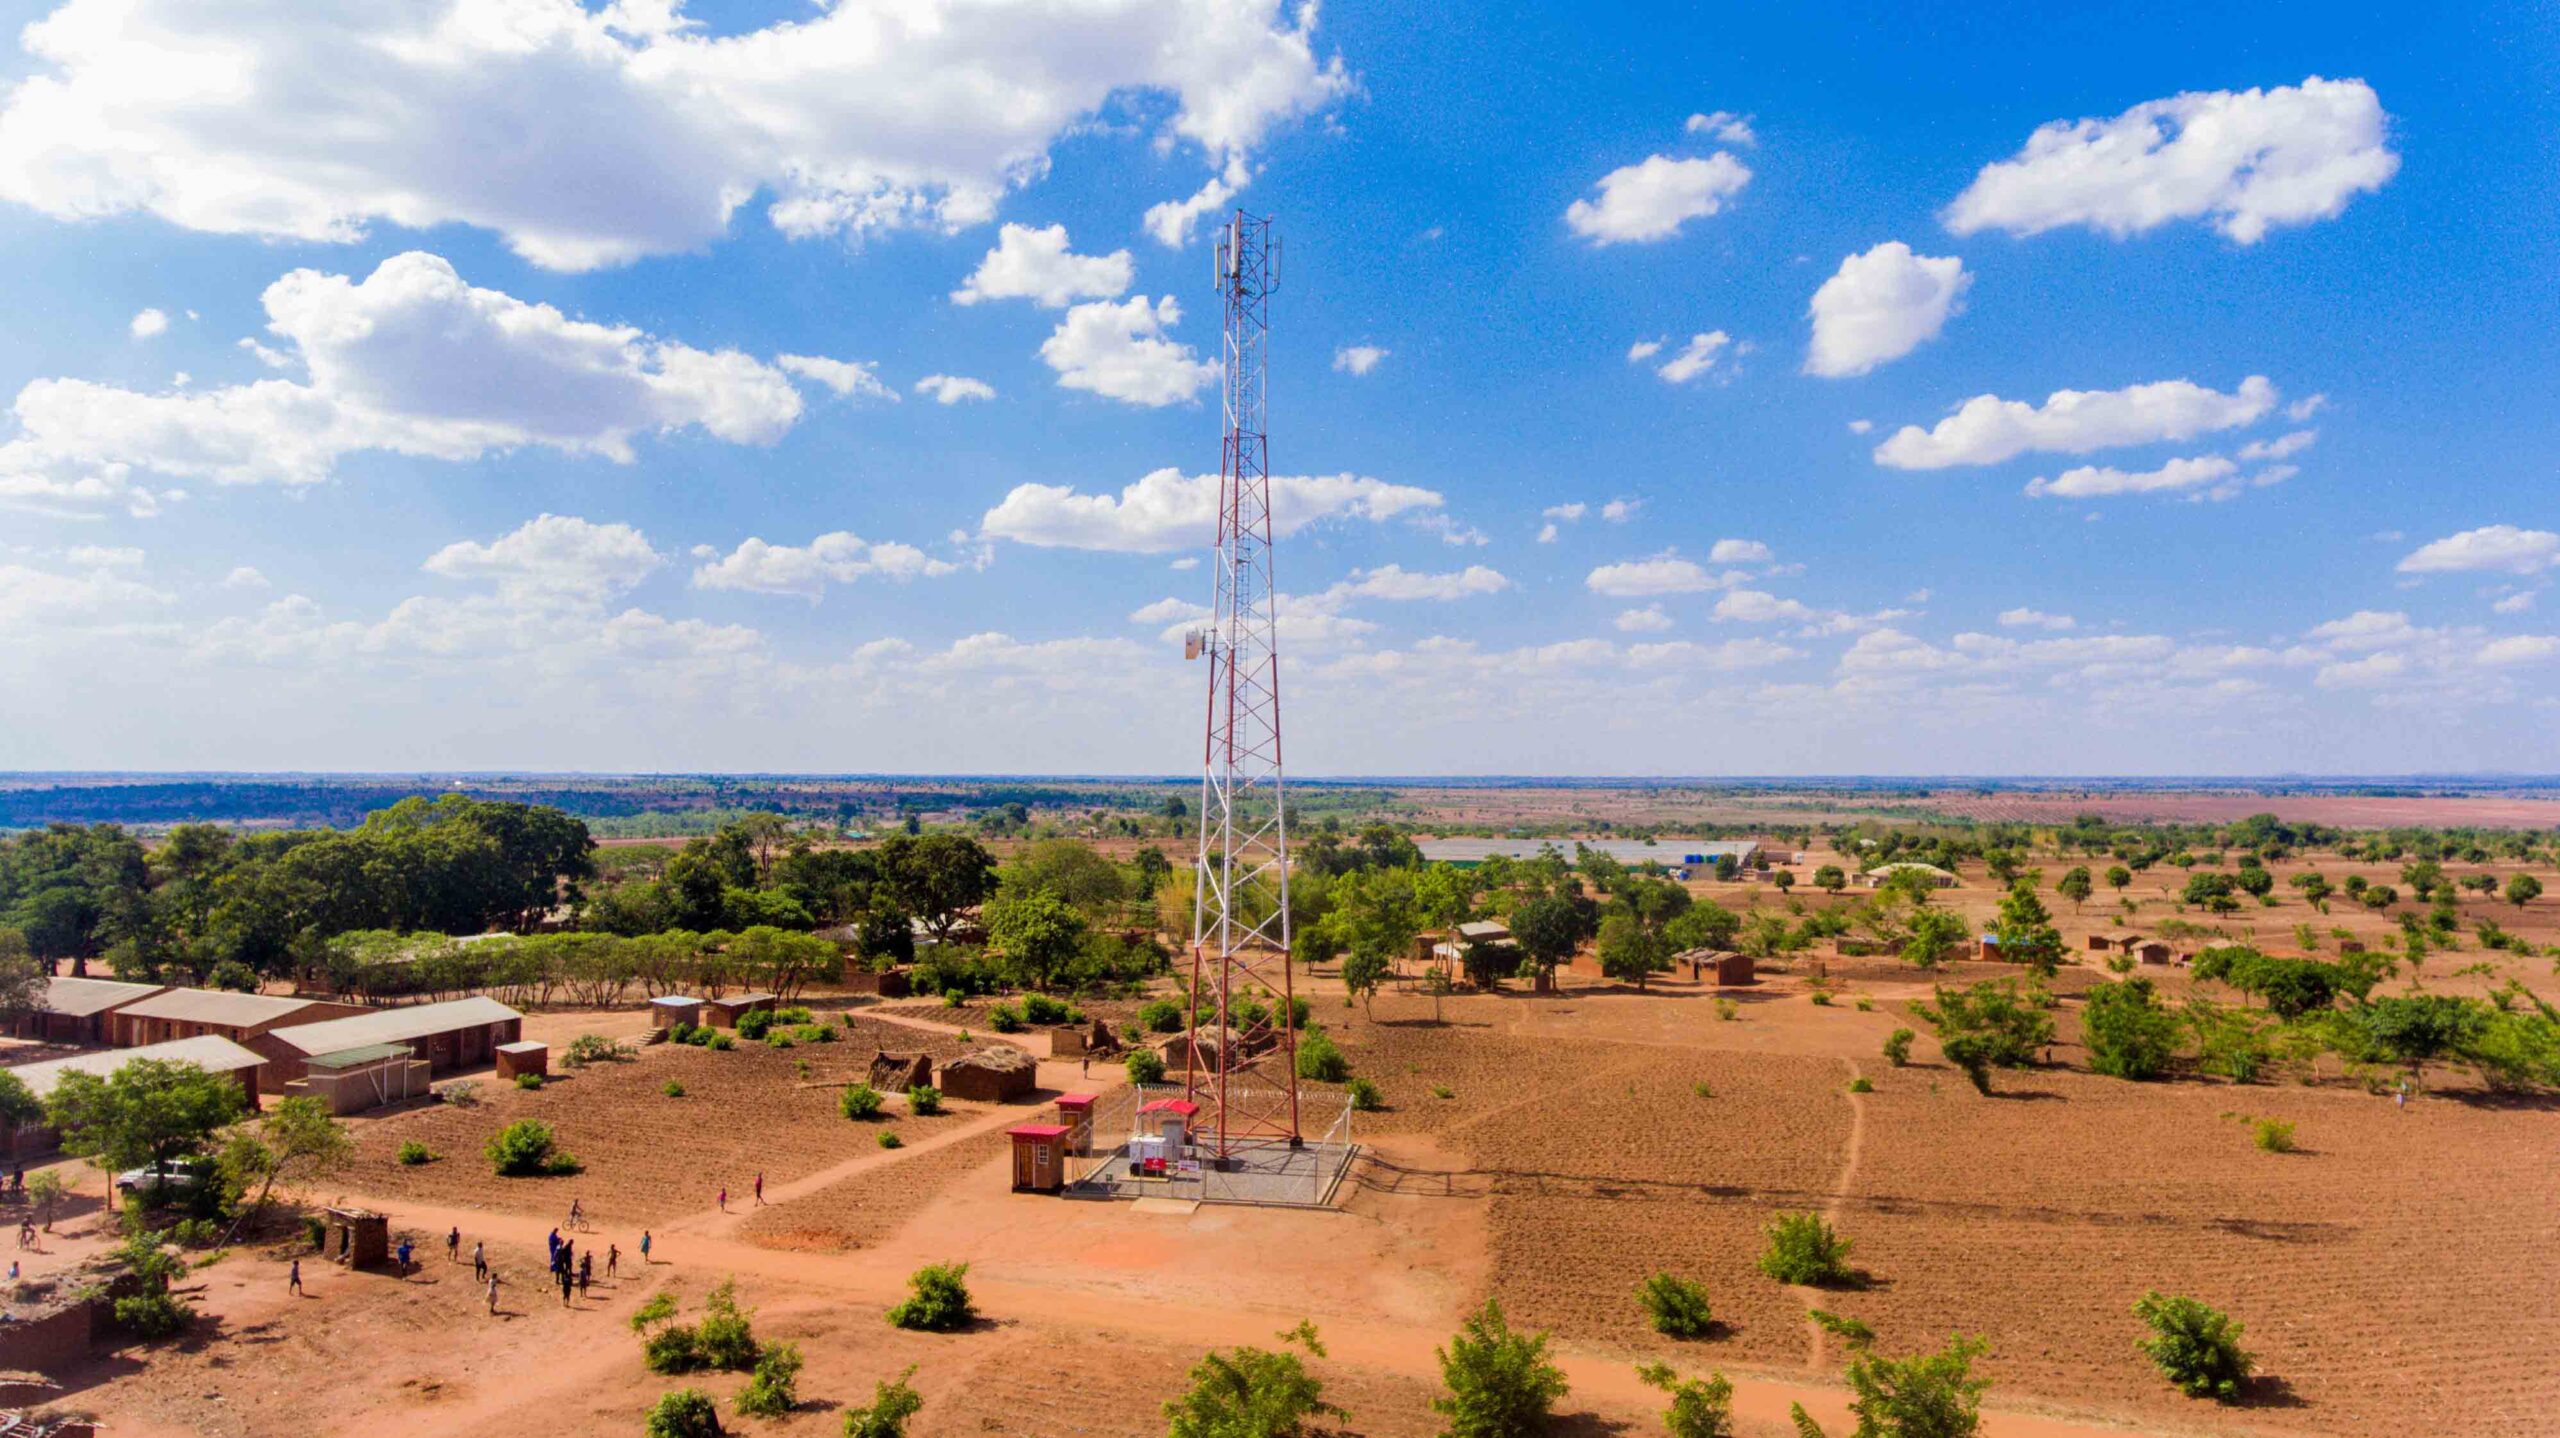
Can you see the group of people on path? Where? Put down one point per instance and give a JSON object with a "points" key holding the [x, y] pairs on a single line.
{"points": [[573, 1269]]}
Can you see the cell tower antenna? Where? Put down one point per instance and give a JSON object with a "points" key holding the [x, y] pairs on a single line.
{"points": [[1243, 1041]]}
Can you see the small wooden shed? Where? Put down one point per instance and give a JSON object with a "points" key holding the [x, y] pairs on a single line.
{"points": [[668, 1010], [355, 1237], [991, 1075], [1735, 969], [897, 1073], [526, 1057], [724, 1013], [1039, 1156], [1075, 1111]]}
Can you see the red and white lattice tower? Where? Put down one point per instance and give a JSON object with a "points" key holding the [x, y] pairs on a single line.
{"points": [[1243, 1070]]}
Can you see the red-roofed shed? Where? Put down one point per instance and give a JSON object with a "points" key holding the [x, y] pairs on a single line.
{"points": [[1075, 1110], [1039, 1156]]}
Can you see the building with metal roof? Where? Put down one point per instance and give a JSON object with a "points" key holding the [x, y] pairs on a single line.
{"points": [[74, 1011], [187, 1013], [1669, 853], [214, 1055], [458, 1033]]}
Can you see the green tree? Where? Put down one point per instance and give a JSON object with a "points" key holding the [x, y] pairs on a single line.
{"points": [[1830, 878], [148, 1112], [1703, 925], [1362, 974], [1248, 1392], [1805, 1249], [2119, 878], [299, 1137], [1676, 1307], [937, 1300], [1038, 933], [2025, 930], [1933, 1395], [2196, 1346], [939, 878], [894, 1402], [2523, 889], [1936, 935], [1500, 1384], [2075, 885], [2129, 1032], [684, 1413], [1631, 951], [1699, 1408], [1547, 929]]}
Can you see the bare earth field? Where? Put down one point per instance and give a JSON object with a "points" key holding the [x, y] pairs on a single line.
{"points": [[2397, 1275]]}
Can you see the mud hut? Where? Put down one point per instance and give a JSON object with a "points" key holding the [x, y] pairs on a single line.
{"points": [[991, 1075], [897, 1073], [1075, 1041]]}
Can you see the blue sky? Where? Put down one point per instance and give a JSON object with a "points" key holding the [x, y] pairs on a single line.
{"points": [[595, 425]]}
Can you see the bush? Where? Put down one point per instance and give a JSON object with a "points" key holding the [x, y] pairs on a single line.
{"points": [[889, 1139], [727, 1332], [774, 1390], [1247, 1392], [924, 1100], [1005, 1019], [155, 1314], [1932, 1395], [1866, 1005], [1676, 1307], [1822, 998], [660, 1307], [685, 1413], [528, 1081], [461, 1093], [2130, 1033], [675, 1348], [316, 1231], [937, 1300], [1861, 1084], [2274, 1135], [1161, 1016], [1897, 1047], [2196, 1346], [861, 1102], [1700, 1407], [1441, 1090], [588, 1049], [1804, 1249], [1320, 1060], [1727, 1010], [779, 1039], [523, 1150], [1365, 1097], [413, 1153], [892, 1404], [1145, 1066], [720, 1042], [754, 1024], [1044, 1010], [1500, 1382]]}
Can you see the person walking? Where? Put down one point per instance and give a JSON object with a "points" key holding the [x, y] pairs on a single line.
{"points": [[759, 1188], [724, 1198], [493, 1293], [453, 1244], [586, 1273], [644, 1248], [404, 1257], [555, 1245], [479, 1261], [566, 1279], [612, 1259], [294, 1284]]}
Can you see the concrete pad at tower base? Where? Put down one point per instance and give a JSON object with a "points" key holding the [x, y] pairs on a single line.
{"points": [[1171, 1207]]}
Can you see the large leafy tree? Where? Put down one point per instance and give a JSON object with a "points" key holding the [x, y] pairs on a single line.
{"points": [[939, 878], [149, 1112]]}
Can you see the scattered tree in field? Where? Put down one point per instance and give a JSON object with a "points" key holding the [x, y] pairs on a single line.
{"points": [[2130, 1033], [937, 1300], [860, 1102], [1804, 1249], [2075, 886], [1548, 929], [2196, 1346], [1700, 1407], [149, 1112], [1989, 1025], [1830, 878], [1703, 925], [892, 1404], [44, 1191], [1362, 974], [1676, 1307], [2119, 878], [523, 1149], [1632, 950], [2523, 889], [1145, 1066], [1936, 936], [1783, 880], [774, 1390], [685, 1413], [1897, 1047], [152, 1310], [1933, 1395], [1500, 1383], [1248, 1392], [299, 1137], [2025, 930]]}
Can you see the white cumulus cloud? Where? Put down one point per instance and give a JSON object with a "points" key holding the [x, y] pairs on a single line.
{"points": [[2091, 481], [1880, 306], [1640, 578], [2494, 548], [2248, 160], [148, 323], [846, 377], [1987, 429], [1120, 351], [1739, 551], [953, 388], [1695, 358], [1169, 510], [806, 570], [1357, 359], [553, 556], [1724, 125], [1648, 620], [1653, 199], [2036, 619], [1036, 265]]}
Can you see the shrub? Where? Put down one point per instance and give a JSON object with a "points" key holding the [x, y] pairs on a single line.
{"points": [[1320, 1060], [861, 1101], [195, 1233], [1676, 1307], [1160, 1016], [2274, 1135], [1866, 1005], [889, 1139], [1703, 1089], [660, 1307], [462, 1093], [773, 1391], [1441, 1090], [892, 1404], [1822, 998], [528, 1081], [2196, 1346], [924, 1100], [721, 1043], [754, 1024], [413, 1153], [1044, 1010], [523, 1150], [1146, 1066], [2130, 1033], [1500, 1382], [587, 1049], [1005, 1019], [954, 998], [1365, 1096], [1700, 1407], [675, 1348], [1247, 1392], [1932, 1395], [1803, 1248], [779, 1039], [685, 1413], [1897, 1047], [727, 1332], [671, 1089], [1861, 1084], [316, 1231], [1727, 1010], [937, 1300]]}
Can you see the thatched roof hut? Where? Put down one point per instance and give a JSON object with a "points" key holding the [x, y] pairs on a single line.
{"points": [[991, 1075], [897, 1073]]}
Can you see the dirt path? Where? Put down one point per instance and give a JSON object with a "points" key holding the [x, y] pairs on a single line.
{"points": [[1818, 1344]]}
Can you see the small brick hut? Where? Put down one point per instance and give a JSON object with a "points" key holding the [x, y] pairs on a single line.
{"points": [[523, 1057], [724, 1013], [991, 1075]]}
